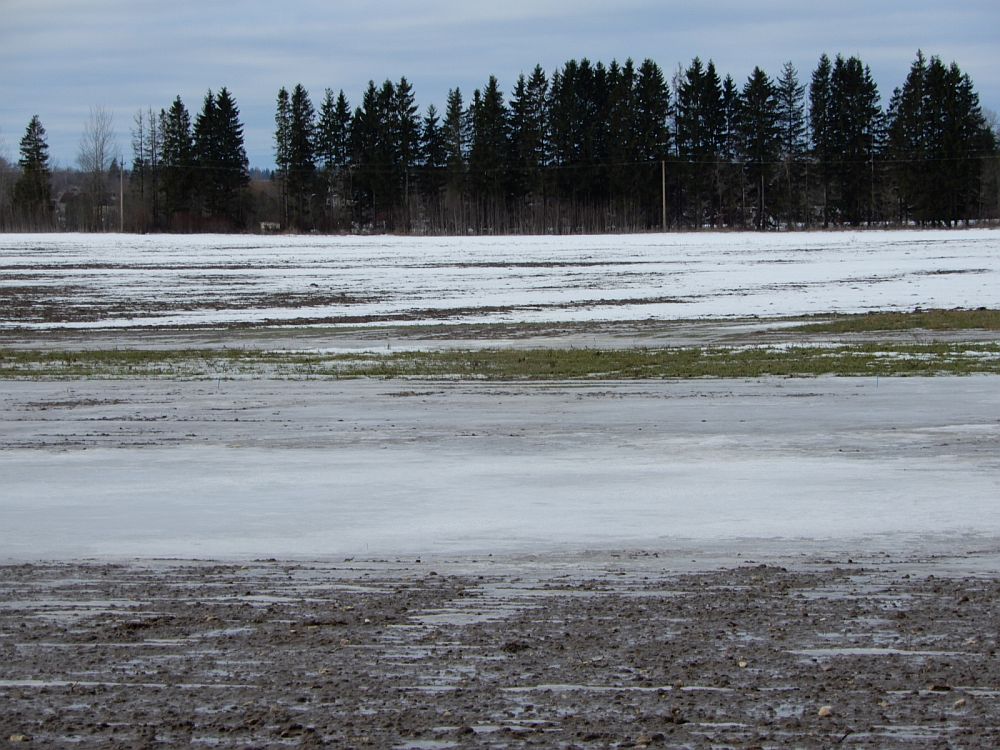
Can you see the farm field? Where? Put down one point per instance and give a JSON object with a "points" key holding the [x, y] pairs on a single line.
{"points": [[658, 490], [123, 281]]}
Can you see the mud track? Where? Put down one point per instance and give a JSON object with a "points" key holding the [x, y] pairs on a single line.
{"points": [[621, 651]]}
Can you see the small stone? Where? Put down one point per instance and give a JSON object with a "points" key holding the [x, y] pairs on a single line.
{"points": [[825, 712], [20, 738], [743, 664], [960, 703]]}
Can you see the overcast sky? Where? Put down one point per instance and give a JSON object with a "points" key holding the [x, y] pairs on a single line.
{"points": [[58, 58]]}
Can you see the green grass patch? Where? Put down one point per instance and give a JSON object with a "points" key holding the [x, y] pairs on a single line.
{"points": [[508, 364], [931, 320]]}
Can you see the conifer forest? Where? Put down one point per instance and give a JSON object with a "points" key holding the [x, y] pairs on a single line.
{"points": [[589, 147]]}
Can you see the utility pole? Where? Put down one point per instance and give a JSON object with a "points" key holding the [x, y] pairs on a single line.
{"points": [[663, 191], [121, 195]]}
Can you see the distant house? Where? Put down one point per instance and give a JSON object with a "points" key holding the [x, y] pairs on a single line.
{"points": [[68, 206]]}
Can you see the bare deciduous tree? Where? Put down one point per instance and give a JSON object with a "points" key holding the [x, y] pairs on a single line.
{"points": [[97, 148], [146, 146], [7, 177]]}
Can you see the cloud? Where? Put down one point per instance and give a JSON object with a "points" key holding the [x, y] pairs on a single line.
{"points": [[59, 57]]}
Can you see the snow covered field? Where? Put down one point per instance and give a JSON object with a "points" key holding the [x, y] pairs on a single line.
{"points": [[87, 281]]}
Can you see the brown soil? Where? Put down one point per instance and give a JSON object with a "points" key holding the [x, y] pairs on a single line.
{"points": [[431, 655]]}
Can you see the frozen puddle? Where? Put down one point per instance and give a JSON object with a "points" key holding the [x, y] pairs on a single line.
{"points": [[331, 470]]}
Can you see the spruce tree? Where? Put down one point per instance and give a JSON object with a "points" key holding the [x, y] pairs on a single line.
{"points": [[372, 154], [792, 126], [326, 132], [761, 138], [232, 173], [489, 147], [433, 144], [333, 144], [622, 151], [456, 144], [207, 152], [936, 137], [652, 107], [283, 146], [698, 137], [856, 128], [302, 182], [906, 143], [652, 136], [528, 133], [731, 178], [821, 127], [405, 124], [33, 192], [434, 152], [177, 161], [791, 113]]}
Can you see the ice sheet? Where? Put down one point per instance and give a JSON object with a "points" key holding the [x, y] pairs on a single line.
{"points": [[329, 470]]}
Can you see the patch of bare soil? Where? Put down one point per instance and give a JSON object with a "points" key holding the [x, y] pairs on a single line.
{"points": [[396, 655], [64, 304]]}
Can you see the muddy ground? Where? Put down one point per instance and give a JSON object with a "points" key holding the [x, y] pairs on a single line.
{"points": [[628, 650]]}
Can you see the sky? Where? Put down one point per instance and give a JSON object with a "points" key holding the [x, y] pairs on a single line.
{"points": [[61, 58]]}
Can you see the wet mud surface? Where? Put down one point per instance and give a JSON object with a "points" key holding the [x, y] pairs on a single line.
{"points": [[630, 651]]}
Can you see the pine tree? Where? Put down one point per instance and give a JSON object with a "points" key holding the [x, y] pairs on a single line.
{"points": [[32, 191]]}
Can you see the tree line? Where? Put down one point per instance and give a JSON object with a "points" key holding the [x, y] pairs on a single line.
{"points": [[591, 147]]}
